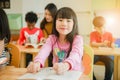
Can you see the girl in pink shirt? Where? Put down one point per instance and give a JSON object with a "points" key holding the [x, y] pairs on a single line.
{"points": [[65, 43]]}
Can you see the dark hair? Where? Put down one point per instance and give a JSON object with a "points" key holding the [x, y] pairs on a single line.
{"points": [[4, 27], [98, 21], [31, 17], [52, 9], [68, 13]]}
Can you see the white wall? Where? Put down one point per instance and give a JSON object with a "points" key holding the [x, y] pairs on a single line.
{"points": [[15, 6], [109, 9]]}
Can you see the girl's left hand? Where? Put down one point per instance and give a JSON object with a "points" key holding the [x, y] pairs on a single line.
{"points": [[60, 68]]}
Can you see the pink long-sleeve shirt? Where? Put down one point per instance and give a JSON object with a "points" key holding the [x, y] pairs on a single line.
{"points": [[75, 57]]}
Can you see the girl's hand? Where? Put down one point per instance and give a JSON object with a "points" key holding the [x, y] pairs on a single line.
{"points": [[33, 67], [60, 68]]}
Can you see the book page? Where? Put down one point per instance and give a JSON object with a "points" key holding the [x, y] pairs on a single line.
{"points": [[50, 74], [30, 45]]}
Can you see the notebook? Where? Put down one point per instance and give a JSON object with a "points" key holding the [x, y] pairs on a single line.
{"points": [[50, 74]]}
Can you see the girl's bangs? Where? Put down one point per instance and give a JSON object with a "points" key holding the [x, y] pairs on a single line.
{"points": [[64, 14]]}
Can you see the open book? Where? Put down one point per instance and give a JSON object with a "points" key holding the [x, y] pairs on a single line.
{"points": [[30, 45], [50, 74]]}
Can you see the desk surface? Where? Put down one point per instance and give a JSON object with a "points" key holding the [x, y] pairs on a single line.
{"points": [[12, 73], [107, 51], [28, 50]]}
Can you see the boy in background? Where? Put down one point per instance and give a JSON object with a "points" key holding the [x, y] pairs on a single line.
{"points": [[30, 32], [101, 38]]}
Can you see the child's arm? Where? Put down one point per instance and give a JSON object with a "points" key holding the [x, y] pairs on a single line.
{"points": [[102, 44], [21, 37], [40, 36]]}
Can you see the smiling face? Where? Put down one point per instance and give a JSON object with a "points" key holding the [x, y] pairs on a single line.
{"points": [[48, 16], [64, 26]]}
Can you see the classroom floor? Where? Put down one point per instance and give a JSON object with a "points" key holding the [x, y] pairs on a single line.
{"points": [[99, 71]]}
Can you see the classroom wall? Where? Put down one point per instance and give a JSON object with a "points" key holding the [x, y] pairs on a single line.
{"points": [[15, 7], [110, 9], [84, 9], [81, 7]]}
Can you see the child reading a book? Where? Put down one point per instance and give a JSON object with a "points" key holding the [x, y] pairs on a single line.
{"points": [[65, 43], [102, 38], [4, 38], [30, 33]]}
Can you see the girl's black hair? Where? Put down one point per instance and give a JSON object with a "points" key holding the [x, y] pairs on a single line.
{"points": [[31, 17], [4, 27], [67, 13], [52, 9]]}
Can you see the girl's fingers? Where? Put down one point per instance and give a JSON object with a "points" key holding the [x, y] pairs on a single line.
{"points": [[33, 67], [30, 67], [59, 68]]}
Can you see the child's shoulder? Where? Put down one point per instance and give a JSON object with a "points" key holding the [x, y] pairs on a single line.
{"points": [[78, 37], [52, 36], [108, 32], [24, 28], [94, 33], [36, 28]]}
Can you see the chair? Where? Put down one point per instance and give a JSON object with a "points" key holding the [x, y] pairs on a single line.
{"points": [[88, 58], [15, 54]]}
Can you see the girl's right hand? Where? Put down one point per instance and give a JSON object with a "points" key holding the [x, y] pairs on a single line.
{"points": [[33, 67]]}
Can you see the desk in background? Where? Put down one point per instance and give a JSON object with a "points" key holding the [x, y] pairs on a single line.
{"points": [[12, 73], [114, 52], [23, 51]]}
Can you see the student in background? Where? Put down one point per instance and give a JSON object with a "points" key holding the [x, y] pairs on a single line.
{"points": [[64, 42], [29, 32], [46, 24], [4, 37], [102, 38]]}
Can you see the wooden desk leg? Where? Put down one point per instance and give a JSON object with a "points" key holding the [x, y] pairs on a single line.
{"points": [[23, 60], [34, 55], [118, 67], [115, 77]]}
